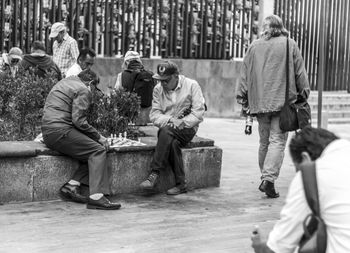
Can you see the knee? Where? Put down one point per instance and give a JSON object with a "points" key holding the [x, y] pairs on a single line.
{"points": [[164, 132]]}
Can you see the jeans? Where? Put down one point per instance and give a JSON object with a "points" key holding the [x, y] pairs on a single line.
{"points": [[168, 151], [272, 144]]}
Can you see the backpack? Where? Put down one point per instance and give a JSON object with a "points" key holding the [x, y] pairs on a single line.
{"points": [[141, 82]]}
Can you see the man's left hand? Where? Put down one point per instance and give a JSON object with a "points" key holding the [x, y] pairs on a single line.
{"points": [[178, 123]]}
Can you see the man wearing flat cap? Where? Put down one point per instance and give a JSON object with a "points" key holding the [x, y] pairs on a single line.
{"points": [[177, 109], [65, 48]]}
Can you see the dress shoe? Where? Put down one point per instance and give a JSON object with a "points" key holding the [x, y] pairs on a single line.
{"points": [[269, 189], [102, 204], [70, 192], [150, 182], [178, 189]]}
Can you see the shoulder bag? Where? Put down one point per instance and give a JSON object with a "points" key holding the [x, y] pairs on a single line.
{"points": [[314, 239], [293, 116]]}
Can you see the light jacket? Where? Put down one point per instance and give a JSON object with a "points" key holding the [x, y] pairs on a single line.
{"points": [[262, 84]]}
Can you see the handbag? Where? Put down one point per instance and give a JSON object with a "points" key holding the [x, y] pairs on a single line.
{"points": [[293, 116], [314, 239]]}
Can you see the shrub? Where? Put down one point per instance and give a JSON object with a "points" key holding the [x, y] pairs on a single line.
{"points": [[22, 100], [113, 114]]}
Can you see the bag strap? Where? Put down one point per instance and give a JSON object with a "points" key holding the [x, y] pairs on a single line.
{"points": [[286, 98], [308, 173]]}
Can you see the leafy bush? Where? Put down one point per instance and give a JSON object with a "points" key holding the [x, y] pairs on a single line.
{"points": [[113, 114], [22, 99]]}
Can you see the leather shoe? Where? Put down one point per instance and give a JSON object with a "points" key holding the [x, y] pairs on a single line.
{"points": [[269, 189], [70, 192], [102, 204], [177, 190], [150, 182]]}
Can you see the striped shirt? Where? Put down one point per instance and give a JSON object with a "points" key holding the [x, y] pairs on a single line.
{"points": [[66, 53]]}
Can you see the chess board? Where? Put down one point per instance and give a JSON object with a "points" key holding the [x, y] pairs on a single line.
{"points": [[124, 142]]}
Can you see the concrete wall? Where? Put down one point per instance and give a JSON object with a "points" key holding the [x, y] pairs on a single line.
{"points": [[218, 79]]}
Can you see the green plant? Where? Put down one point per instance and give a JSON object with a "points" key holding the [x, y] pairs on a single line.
{"points": [[112, 114], [21, 101]]}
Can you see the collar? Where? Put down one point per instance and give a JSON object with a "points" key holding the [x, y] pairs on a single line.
{"points": [[65, 37], [179, 83]]}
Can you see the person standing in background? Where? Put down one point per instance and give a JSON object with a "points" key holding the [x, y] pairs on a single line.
{"points": [[65, 49], [261, 92]]}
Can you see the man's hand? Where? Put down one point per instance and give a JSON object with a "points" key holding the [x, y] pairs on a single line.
{"points": [[258, 244], [176, 123], [104, 142]]}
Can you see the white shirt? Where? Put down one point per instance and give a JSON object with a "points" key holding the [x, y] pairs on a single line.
{"points": [[333, 179], [74, 70]]}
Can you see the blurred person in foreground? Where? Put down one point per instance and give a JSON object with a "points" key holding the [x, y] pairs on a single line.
{"points": [[66, 130], [65, 49], [10, 61], [330, 155], [41, 63], [177, 110], [261, 92]]}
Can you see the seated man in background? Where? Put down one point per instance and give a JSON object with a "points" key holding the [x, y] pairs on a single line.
{"points": [[177, 109], [40, 61], [85, 60], [332, 160], [9, 62], [66, 130], [135, 78]]}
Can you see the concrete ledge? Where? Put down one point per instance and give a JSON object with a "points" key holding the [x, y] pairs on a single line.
{"points": [[29, 171]]}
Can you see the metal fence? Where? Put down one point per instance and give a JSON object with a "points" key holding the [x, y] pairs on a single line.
{"points": [[202, 29], [302, 19]]}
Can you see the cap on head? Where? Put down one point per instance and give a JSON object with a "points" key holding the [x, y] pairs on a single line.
{"points": [[56, 28], [165, 70], [16, 53], [132, 55]]}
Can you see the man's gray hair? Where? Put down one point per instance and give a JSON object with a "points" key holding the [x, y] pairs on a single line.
{"points": [[273, 27]]}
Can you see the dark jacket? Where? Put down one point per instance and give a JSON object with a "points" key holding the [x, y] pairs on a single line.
{"points": [[42, 64], [66, 107]]}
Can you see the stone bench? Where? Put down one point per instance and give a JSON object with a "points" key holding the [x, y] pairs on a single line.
{"points": [[29, 171]]}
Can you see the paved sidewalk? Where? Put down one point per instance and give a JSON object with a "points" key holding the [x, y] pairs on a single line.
{"points": [[206, 220]]}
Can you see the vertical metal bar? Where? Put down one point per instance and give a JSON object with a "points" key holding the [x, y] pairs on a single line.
{"points": [[305, 37], [53, 11], [287, 15], [21, 26], [94, 21], [202, 29], [35, 18], [15, 25], [189, 32], [340, 77], [106, 32], [312, 40], [71, 18], [175, 25], [160, 41], [138, 36], [205, 34], [214, 30], [223, 39], [144, 31], [88, 22], [234, 45], [41, 20], [296, 10], [243, 15], [336, 46], [2, 26], [28, 35], [347, 62], [155, 26], [300, 30], [77, 16], [184, 31], [59, 10], [111, 29], [170, 30], [322, 51]]}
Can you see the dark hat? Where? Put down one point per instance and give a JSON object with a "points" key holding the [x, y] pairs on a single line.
{"points": [[165, 70]]}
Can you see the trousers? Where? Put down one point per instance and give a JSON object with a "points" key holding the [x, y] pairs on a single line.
{"points": [[168, 151], [92, 157], [271, 147]]}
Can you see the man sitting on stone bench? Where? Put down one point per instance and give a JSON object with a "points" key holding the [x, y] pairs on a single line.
{"points": [[66, 130], [177, 109]]}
